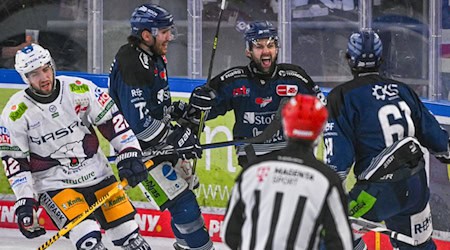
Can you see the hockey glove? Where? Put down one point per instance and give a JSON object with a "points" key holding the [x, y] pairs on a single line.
{"points": [[27, 218], [185, 142], [202, 98], [185, 116], [130, 166]]}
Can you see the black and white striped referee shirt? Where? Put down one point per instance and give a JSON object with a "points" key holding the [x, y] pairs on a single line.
{"points": [[284, 200]]}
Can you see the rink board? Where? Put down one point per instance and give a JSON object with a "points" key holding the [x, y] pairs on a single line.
{"points": [[155, 223]]}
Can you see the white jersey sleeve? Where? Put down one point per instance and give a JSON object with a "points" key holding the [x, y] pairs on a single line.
{"points": [[14, 148]]}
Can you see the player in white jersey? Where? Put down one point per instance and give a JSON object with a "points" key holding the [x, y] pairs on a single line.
{"points": [[51, 154], [284, 200]]}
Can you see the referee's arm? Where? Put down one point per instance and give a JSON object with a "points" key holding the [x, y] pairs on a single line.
{"points": [[338, 233], [234, 219]]}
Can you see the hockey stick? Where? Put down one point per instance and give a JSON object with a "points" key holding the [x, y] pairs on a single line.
{"points": [[267, 134], [88, 211], [361, 224], [204, 114]]}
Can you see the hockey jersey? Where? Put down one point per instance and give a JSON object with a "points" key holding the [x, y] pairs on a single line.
{"points": [[139, 86], [283, 201], [370, 113], [50, 143], [255, 100]]}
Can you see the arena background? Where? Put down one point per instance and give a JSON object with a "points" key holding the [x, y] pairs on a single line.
{"points": [[218, 169]]}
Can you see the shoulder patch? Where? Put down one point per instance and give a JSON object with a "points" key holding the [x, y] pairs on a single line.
{"points": [[17, 111]]}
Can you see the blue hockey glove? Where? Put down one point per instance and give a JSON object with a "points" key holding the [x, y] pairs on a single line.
{"points": [[202, 98], [130, 166], [185, 143], [27, 218]]}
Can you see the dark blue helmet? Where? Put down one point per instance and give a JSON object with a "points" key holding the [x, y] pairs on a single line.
{"points": [[150, 17], [259, 30], [364, 50]]}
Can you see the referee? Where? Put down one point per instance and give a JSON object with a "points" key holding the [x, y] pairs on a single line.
{"points": [[288, 199]]}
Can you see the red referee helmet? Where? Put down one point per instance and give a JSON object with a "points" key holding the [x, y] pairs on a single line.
{"points": [[304, 117]]}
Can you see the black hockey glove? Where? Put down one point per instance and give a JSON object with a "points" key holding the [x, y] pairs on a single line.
{"points": [[185, 142], [202, 98], [130, 166], [27, 218], [185, 116]]}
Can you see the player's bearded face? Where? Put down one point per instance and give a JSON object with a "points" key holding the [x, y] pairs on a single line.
{"points": [[42, 79], [162, 41], [264, 54]]}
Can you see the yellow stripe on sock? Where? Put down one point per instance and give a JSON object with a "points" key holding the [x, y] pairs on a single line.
{"points": [[377, 241]]}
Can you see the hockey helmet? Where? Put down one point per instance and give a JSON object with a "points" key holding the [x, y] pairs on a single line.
{"points": [[364, 50], [31, 58], [304, 117], [150, 17], [259, 30]]}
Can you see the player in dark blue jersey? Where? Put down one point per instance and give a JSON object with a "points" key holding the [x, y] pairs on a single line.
{"points": [[254, 91], [381, 126], [139, 86]]}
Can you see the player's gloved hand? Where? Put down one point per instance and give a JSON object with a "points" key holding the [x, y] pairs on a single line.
{"points": [[130, 166], [27, 218], [179, 110], [184, 115], [202, 98], [185, 142]]}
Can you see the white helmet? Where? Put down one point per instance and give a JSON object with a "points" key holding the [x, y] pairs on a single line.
{"points": [[31, 58]]}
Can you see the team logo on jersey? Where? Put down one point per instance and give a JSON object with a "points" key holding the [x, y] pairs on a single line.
{"points": [[17, 111], [262, 173], [287, 90], [262, 102], [53, 110], [381, 92], [4, 136], [241, 91]]}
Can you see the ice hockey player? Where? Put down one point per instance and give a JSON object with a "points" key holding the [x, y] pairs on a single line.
{"points": [[381, 126], [255, 91], [51, 155], [284, 199], [139, 84]]}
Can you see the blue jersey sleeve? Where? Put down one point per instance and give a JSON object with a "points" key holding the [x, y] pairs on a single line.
{"points": [[338, 138], [428, 130]]}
